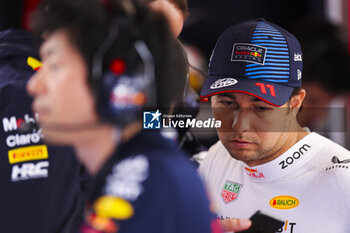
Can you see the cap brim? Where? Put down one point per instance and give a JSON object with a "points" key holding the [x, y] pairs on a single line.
{"points": [[272, 93]]}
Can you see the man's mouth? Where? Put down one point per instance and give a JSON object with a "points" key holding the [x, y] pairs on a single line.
{"points": [[241, 144]]}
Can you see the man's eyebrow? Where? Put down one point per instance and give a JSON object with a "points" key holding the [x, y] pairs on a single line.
{"points": [[229, 95], [46, 52], [254, 99]]}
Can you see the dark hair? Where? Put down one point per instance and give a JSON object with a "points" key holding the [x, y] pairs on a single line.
{"points": [[87, 23], [182, 6], [295, 92], [325, 57]]}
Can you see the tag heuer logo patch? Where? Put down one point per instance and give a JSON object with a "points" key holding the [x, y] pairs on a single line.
{"points": [[248, 53], [230, 191]]}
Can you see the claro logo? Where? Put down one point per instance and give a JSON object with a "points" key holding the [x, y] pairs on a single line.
{"points": [[284, 202], [12, 124]]}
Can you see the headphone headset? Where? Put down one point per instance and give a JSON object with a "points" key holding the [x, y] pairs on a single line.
{"points": [[122, 90]]}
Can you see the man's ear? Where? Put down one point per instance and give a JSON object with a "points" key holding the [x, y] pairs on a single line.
{"points": [[297, 100]]}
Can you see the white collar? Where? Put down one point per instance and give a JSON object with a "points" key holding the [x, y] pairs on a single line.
{"points": [[294, 158]]}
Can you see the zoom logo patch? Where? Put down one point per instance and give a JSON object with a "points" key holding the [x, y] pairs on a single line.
{"points": [[295, 156]]}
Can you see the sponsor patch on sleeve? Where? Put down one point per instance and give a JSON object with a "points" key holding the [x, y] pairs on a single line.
{"points": [[34, 63], [127, 177], [248, 53]]}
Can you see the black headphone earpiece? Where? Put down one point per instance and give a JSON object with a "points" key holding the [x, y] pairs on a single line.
{"points": [[127, 84]]}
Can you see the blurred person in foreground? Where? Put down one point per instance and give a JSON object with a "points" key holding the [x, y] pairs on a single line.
{"points": [[42, 167], [92, 94], [39, 175], [175, 11], [35, 178], [264, 159]]}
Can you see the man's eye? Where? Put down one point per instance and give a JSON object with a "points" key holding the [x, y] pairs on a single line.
{"points": [[54, 67], [261, 109], [226, 103]]}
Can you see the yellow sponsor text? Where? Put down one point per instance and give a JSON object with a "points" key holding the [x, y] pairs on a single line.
{"points": [[28, 153]]}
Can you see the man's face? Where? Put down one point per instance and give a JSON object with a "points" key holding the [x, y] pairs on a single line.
{"points": [[60, 90], [252, 131]]}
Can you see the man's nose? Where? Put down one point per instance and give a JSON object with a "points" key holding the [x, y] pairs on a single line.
{"points": [[35, 83], [241, 121]]}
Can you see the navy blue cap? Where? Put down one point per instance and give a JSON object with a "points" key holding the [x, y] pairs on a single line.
{"points": [[258, 58]]}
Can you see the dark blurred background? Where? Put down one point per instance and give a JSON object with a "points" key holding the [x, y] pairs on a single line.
{"points": [[209, 18]]}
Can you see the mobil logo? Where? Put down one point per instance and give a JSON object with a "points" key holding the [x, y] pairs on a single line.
{"points": [[13, 123]]}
